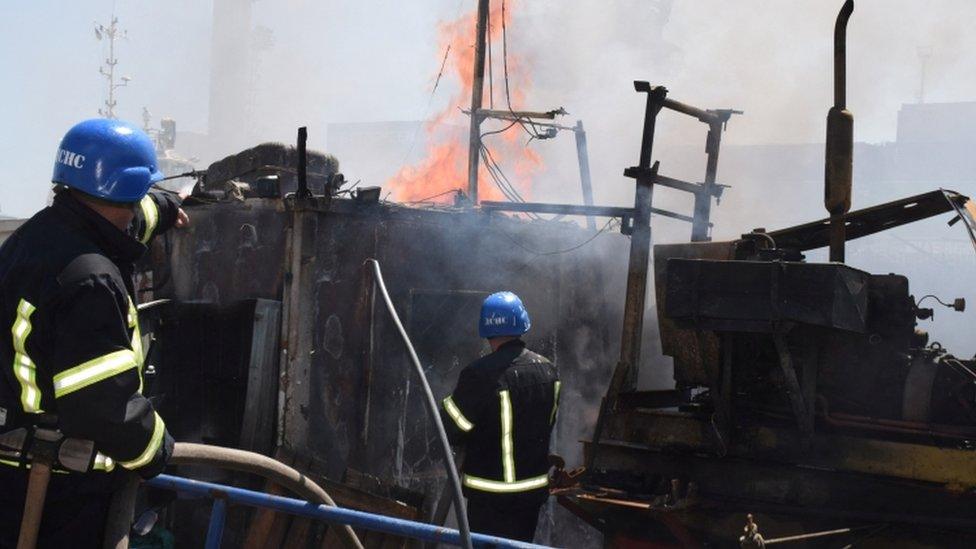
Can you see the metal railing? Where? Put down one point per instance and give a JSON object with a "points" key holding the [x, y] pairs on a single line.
{"points": [[223, 495]]}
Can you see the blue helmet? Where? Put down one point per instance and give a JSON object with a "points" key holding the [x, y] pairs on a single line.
{"points": [[107, 159], [502, 314]]}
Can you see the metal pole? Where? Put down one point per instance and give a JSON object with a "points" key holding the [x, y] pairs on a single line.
{"points": [[703, 198], [215, 530], [625, 373], [640, 245], [584, 167], [332, 515], [302, 192], [839, 161], [477, 90]]}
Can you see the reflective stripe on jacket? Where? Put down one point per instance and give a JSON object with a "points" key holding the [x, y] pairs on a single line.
{"points": [[502, 411], [74, 347]]}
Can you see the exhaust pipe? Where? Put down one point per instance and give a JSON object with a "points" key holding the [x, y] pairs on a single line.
{"points": [[839, 164]]}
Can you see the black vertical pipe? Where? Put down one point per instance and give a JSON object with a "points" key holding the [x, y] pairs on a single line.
{"points": [[302, 191], [839, 157]]}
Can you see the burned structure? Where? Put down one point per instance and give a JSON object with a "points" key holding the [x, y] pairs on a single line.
{"points": [[309, 368], [306, 361], [804, 392]]}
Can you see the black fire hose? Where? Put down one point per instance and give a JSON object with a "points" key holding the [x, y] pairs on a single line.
{"points": [[186, 453], [460, 509]]}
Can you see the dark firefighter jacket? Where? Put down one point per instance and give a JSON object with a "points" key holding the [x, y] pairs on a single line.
{"points": [[502, 412], [73, 348]]}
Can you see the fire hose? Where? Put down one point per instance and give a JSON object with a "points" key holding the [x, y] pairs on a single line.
{"points": [[185, 453], [460, 509]]}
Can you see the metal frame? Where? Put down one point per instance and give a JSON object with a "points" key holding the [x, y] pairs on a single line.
{"points": [[223, 495], [704, 192]]}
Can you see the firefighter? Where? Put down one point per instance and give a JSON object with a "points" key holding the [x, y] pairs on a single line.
{"points": [[72, 358], [501, 413]]}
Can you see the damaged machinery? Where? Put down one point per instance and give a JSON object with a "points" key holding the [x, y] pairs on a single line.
{"points": [[805, 393]]}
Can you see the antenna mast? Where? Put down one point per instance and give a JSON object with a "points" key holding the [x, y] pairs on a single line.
{"points": [[112, 32]]}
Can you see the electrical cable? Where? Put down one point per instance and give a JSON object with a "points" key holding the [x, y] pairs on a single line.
{"points": [[460, 508], [501, 181], [498, 180], [508, 96], [430, 99], [490, 159], [567, 250], [503, 130], [438, 195], [932, 296]]}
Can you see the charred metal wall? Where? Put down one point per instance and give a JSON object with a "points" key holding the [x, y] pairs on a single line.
{"points": [[348, 397]]}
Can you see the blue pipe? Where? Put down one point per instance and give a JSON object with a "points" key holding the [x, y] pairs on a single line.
{"points": [[335, 515], [218, 516]]}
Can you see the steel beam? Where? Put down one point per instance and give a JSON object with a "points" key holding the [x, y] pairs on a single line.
{"points": [[577, 209], [559, 209]]}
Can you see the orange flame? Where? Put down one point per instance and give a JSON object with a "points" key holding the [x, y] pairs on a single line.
{"points": [[445, 165]]}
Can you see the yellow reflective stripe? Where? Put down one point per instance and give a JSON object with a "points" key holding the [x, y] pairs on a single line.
{"points": [[93, 371], [506, 487], [455, 413], [24, 369], [150, 212], [555, 400], [508, 452], [155, 441]]}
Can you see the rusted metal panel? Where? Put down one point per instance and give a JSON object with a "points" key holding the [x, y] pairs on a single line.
{"points": [[696, 354], [952, 468]]}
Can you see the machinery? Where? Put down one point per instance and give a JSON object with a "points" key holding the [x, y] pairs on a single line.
{"points": [[804, 393]]}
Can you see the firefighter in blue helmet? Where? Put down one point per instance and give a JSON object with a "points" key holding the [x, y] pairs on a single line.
{"points": [[72, 360], [502, 413]]}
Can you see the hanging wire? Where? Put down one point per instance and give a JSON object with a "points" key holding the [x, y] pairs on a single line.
{"points": [[438, 195], [533, 133], [605, 228], [501, 180], [430, 99]]}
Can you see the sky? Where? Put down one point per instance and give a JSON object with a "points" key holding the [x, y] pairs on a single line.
{"points": [[319, 62], [374, 60]]}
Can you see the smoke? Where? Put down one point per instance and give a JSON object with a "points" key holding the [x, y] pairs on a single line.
{"points": [[316, 63]]}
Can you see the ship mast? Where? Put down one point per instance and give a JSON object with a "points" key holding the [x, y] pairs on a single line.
{"points": [[112, 32]]}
